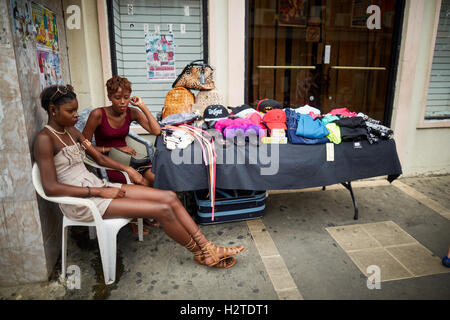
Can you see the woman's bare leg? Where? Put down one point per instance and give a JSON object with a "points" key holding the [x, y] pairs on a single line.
{"points": [[170, 198], [166, 197], [138, 208], [150, 177]]}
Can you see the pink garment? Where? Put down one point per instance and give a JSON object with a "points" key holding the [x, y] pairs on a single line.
{"points": [[232, 127], [314, 115], [342, 111]]}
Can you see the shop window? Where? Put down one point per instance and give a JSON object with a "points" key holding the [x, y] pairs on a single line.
{"points": [[179, 25], [438, 99]]}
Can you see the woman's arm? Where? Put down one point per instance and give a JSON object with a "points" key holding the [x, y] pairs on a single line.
{"points": [[43, 154], [144, 118], [93, 122], [106, 161]]}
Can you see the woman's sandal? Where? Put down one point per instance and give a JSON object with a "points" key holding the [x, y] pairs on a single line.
{"points": [[200, 257], [223, 264], [215, 252], [134, 226], [152, 223]]}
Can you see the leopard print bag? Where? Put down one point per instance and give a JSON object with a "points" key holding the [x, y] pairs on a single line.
{"points": [[197, 75]]}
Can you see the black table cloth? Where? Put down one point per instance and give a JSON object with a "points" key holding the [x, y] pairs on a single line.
{"points": [[291, 167]]}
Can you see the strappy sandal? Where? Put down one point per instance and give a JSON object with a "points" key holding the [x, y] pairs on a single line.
{"points": [[152, 223], [223, 264], [199, 257], [210, 250], [134, 226], [215, 252]]}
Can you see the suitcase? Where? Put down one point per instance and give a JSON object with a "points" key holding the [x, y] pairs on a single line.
{"points": [[230, 205]]}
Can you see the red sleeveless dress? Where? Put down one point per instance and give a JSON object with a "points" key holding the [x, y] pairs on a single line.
{"points": [[107, 136]]}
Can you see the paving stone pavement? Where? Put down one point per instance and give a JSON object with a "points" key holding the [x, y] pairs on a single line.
{"points": [[294, 231]]}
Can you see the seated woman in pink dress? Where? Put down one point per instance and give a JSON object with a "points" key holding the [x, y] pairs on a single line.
{"points": [[110, 126], [59, 151]]}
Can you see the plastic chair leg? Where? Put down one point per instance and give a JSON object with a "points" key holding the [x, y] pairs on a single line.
{"points": [[92, 233], [141, 229], [108, 253], [64, 252]]}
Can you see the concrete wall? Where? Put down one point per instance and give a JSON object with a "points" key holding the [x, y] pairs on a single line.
{"points": [[30, 229], [422, 148], [85, 56]]}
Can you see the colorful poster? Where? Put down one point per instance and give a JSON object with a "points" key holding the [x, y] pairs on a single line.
{"points": [[21, 18], [49, 68], [160, 51], [47, 31]]}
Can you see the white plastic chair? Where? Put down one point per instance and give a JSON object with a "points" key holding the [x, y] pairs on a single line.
{"points": [[107, 229], [140, 222]]}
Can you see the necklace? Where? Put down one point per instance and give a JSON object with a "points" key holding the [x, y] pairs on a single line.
{"points": [[54, 131]]}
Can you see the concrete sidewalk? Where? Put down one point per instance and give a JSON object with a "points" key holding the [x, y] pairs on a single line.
{"points": [[307, 246]]}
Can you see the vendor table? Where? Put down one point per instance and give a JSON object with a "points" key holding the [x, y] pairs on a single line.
{"points": [[276, 167]]}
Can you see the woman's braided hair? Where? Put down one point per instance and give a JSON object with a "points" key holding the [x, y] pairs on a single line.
{"points": [[57, 95]]}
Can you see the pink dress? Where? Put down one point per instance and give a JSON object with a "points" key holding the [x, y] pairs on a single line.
{"points": [[70, 169]]}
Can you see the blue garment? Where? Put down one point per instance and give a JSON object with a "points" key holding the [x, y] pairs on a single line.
{"points": [[291, 122], [310, 128]]}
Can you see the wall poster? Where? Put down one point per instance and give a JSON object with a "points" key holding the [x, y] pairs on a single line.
{"points": [[47, 46], [160, 51], [49, 68], [21, 19], [45, 24]]}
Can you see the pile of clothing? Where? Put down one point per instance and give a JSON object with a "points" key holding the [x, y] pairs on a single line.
{"points": [[340, 124]]}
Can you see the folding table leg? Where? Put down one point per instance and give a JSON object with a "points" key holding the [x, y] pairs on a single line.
{"points": [[348, 185]]}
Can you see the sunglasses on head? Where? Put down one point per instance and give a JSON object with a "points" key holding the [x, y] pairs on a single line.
{"points": [[63, 90]]}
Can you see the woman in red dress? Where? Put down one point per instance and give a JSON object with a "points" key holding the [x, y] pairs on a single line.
{"points": [[110, 126]]}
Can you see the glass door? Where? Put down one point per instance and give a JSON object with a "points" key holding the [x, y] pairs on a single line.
{"points": [[322, 53]]}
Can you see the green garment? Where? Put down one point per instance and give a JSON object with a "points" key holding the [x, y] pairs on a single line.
{"points": [[335, 133], [327, 119]]}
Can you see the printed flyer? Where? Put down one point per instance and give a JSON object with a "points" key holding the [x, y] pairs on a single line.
{"points": [[47, 31], [21, 18], [160, 51], [49, 68]]}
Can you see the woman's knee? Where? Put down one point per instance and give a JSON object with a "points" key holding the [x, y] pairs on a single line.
{"points": [[166, 212], [170, 198]]}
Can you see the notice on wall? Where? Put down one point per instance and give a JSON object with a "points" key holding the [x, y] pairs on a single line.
{"points": [[44, 22], [160, 51], [21, 19], [49, 68], [47, 45]]}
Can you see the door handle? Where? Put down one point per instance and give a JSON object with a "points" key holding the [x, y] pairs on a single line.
{"points": [[285, 67], [357, 68]]}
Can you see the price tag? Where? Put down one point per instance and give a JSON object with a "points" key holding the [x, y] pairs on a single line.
{"points": [[330, 151]]}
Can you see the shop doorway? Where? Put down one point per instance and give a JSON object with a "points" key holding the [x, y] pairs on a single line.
{"points": [[322, 53]]}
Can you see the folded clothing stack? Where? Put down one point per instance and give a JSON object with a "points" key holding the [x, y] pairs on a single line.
{"points": [[177, 139]]}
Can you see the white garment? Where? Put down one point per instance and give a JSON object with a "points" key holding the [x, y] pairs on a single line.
{"points": [[244, 113], [306, 109]]}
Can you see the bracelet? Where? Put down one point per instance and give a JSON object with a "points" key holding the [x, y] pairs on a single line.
{"points": [[89, 192]]}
